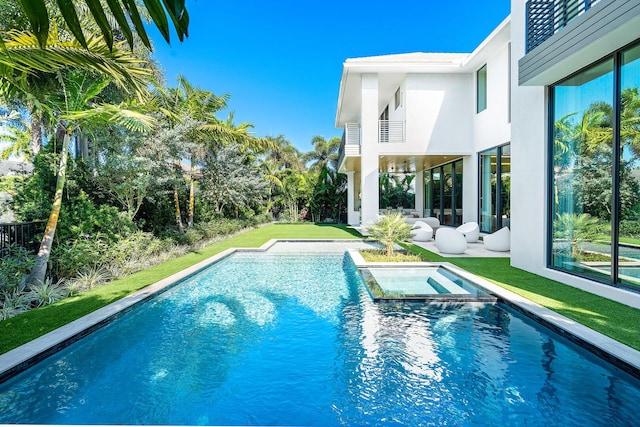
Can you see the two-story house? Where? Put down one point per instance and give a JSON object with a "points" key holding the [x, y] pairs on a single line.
{"points": [[537, 129], [429, 116]]}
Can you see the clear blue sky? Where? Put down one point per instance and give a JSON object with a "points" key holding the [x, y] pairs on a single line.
{"points": [[281, 61]]}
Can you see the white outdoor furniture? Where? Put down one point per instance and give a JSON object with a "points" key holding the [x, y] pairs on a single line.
{"points": [[422, 233], [450, 241], [471, 231], [500, 241]]}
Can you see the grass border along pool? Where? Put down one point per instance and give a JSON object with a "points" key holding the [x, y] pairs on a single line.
{"points": [[27, 326], [610, 318]]}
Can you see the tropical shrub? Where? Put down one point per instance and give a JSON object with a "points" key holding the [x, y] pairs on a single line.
{"points": [[630, 228], [389, 230], [71, 257], [15, 266], [46, 292], [81, 218], [577, 228]]}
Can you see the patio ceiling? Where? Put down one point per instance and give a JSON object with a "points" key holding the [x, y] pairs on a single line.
{"points": [[401, 163]]}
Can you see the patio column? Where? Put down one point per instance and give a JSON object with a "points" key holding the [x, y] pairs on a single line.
{"points": [[419, 182], [369, 149], [353, 215]]}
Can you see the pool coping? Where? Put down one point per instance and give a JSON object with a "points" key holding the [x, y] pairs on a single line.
{"points": [[29, 354], [614, 352]]}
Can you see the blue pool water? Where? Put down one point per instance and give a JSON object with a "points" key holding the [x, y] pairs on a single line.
{"points": [[280, 339]]}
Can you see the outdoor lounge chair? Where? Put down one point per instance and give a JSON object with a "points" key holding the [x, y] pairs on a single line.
{"points": [[500, 241], [422, 233], [450, 241], [471, 231]]}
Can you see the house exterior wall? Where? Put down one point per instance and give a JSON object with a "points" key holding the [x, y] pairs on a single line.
{"points": [[439, 109], [529, 172], [492, 126], [528, 160]]}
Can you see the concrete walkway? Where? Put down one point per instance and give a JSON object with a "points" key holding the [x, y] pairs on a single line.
{"points": [[474, 250]]}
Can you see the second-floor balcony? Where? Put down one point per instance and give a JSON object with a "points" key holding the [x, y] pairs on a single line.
{"points": [[546, 17], [350, 144], [390, 131]]}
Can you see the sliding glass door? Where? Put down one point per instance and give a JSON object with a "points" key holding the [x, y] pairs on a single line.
{"points": [[495, 185], [594, 196], [443, 193]]}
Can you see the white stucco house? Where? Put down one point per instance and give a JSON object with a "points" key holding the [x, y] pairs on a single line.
{"points": [[492, 137]]}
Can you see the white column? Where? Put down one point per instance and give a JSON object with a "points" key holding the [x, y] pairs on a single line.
{"points": [[369, 149], [353, 216], [419, 182]]}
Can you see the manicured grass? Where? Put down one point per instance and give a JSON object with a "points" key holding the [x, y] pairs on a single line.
{"points": [[611, 318], [28, 326]]}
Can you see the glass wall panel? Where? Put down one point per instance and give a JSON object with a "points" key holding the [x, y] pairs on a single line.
{"points": [[488, 182], [582, 165], [428, 194], [457, 192], [505, 185], [443, 193], [437, 194], [629, 169], [447, 194]]}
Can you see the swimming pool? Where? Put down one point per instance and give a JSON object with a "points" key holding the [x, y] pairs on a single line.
{"points": [[275, 339]]}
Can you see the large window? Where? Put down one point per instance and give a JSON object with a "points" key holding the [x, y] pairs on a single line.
{"points": [[443, 193], [481, 89], [595, 179], [495, 185]]}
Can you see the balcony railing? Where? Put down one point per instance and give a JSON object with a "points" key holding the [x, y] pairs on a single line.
{"points": [[350, 144], [547, 17], [390, 131]]}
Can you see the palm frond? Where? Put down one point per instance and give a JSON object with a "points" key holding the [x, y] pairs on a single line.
{"points": [[38, 16], [23, 54], [126, 115]]}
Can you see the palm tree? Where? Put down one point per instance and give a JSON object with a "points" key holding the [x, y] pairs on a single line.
{"points": [[17, 135], [71, 110], [325, 152], [283, 154], [210, 133], [125, 13], [23, 56], [389, 230]]}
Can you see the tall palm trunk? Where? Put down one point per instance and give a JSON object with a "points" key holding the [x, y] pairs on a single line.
{"points": [[176, 201], [40, 268], [36, 132], [192, 195]]}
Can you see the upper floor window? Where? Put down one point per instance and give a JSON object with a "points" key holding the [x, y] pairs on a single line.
{"points": [[481, 89], [385, 113], [398, 98]]}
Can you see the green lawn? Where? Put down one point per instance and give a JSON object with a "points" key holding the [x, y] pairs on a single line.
{"points": [[615, 320]]}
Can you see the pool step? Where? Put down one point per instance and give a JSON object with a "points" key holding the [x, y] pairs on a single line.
{"points": [[447, 284]]}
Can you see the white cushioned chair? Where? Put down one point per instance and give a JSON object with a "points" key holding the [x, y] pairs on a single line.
{"points": [[422, 233], [500, 241], [471, 231], [450, 241]]}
